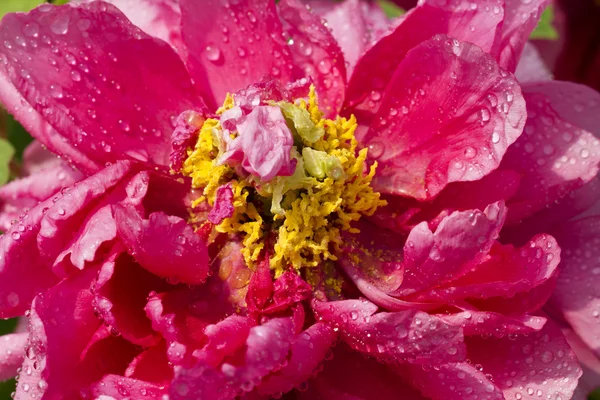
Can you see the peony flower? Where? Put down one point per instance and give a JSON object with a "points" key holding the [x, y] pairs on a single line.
{"points": [[246, 218]]}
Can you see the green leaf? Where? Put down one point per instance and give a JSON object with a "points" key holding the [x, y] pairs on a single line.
{"points": [[8, 325], [7, 6], [545, 30], [17, 135], [595, 395], [6, 388], [6, 155], [391, 9], [59, 2]]}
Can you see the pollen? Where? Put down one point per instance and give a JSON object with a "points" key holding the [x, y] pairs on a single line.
{"points": [[299, 218]]}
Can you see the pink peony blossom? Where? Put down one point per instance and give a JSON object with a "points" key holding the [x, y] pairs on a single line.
{"points": [[459, 288]]}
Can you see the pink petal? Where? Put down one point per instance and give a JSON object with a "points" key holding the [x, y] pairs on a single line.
{"points": [[308, 351], [184, 136], [121, 304], [225, 338], [152, 365], [553, 156], [531, 67], [164, 245], [505, 272], [590, 364], [317, 53], [354, 24], [65, 335], [37, 157], [454, 381], [377, 66], [223, 207], [460, 242], [121, 388], [266, 349], [108, 109], [448, 115], [37, 126], [25, 193], [233, 44], [161, 19], [351, 376], [476, 322], [521, 18], [577, 294], [12, 351], [540, 364], [410, 335]]}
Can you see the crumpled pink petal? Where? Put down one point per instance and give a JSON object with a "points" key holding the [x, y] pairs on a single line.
{"points": [[347, 375], [263, 145], [36, 157], [537, 365], [553, 156], [121, 304], [505, 272], [461, 241], [315, 51], [448, 114], [12, 352], [232, 44], [308, 351], [577, 296], [121, 388], [377, 66], [453, 381], [531, 66], [108, 101], [354, 24], [187, 125], [476, 322], [161, 19], [223, 207], [164, 245], [25, 193], [520, 19], [65, 335], [266, 349], [410, 335]]}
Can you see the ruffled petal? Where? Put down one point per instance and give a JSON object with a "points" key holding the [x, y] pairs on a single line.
{"points": [[65, 335], [460, 242], [520, 19], [448, 114], [476, 322], [317, 53], [232, 44], [457, 19], [348, 375], [577, 294], [540, 364], [164, 245], [152, 365], [531, 67], [120, 388], [12, 352], [410, 335], [93, 82]]}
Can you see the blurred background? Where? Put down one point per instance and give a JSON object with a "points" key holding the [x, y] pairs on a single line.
{"points": [[567, 38]]}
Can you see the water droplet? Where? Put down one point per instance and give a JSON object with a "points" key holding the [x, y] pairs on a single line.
{"points": [[56, 91], [31, 29], [324, 66], [76, 76], [60, 25], [495, 137], [212, 53]]}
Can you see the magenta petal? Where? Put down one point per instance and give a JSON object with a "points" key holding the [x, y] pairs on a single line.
{"points": [[511, 361], [65, 335], [411, 335], [520, 19], [152, 365], [458, 20], [12, 351], [121, 388], [577, 294], [460, 242], [490, 323], [448, 115], [225, 338], [27, 192], [185, 134], [164, 245], [223, 207], [97, 87], [317, 52], [531, 67], [308, 351], [121, 304], [505, 272], [351, 376], [232, 44], [454, 381], [554, 156]]}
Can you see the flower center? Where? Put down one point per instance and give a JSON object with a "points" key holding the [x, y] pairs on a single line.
{"points": [[285, 179]]}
